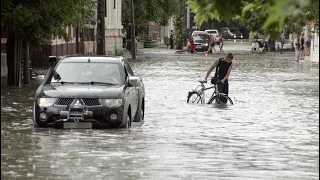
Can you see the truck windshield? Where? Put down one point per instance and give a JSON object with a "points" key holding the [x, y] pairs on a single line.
{"points": [[84, 72]]}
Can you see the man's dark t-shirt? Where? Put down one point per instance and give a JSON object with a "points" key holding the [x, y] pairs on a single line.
{"points": [[222, 69]]}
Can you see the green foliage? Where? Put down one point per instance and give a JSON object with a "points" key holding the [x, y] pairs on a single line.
{"points": [[147, 40], [158, 11], [215, 9], [267, 16], [305, 15], [37, 21]]}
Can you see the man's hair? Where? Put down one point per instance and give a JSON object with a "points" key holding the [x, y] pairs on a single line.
{"points": [[230, 55]]}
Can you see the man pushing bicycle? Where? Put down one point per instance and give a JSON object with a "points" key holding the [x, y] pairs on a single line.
{"points": [[223, 68]]}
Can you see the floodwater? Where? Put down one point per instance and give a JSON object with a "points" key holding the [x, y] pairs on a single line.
{"points": [[271, 131]]}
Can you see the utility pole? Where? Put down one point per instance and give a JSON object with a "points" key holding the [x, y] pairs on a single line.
{"points": [[185, 32], [101, 27], [133, 44], [182, 8]]}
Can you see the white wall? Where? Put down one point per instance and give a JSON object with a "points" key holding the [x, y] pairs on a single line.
{"points": [[113, 26], [314, 51]]}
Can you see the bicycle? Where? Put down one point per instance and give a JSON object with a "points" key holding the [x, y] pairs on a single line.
{"points": [[198, 95]]}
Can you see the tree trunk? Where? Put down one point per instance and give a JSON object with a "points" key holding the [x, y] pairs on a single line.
{"points": [[77, 41], [177, 32], [18, 47], [26, 64], [13, 47], [10, 46]]}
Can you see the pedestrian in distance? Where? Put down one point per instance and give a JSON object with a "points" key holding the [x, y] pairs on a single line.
{"points": [[296, 45], [192, 45], [211, 44], [283, 37], [220, 42], [254, 42], [278, 44], [301, 43], [308, 44], [171, 40]]}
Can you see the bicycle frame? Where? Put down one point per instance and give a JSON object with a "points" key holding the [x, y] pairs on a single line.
{"points": [[203, 89]]}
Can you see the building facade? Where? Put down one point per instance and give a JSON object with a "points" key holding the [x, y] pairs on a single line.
{"points": [[113, 26], [314, 48], [87, 37]]}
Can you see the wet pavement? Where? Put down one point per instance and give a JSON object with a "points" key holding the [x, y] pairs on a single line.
{"points": [[271, 131]]}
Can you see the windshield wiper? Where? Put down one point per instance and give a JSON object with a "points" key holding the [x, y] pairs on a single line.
{"points": [[105, 83], [91, 82], [63, 82]]}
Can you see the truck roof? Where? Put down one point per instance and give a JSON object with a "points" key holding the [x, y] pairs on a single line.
{"points": [[84, 58]]}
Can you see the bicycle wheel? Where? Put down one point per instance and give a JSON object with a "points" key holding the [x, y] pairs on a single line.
{"points": [[222, 99], [194, 97], [229, 99], [214, 98]]}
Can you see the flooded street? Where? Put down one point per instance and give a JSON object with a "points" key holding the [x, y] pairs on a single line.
{"points": [[271, 131]]}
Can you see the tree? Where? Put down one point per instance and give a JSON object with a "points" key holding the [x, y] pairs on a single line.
{"points": [[268, 16], [35, 22], [178, 24], [308, 14], [158, 11]]}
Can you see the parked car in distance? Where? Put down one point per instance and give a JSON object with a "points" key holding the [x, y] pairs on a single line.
{"points": [[213, 32], [226, 33], [89, 92], [236, 33], [201, 41], [197, 32]]}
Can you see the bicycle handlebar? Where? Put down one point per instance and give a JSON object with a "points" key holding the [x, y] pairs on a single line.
{"points": [[218, 81], [202, 82]]}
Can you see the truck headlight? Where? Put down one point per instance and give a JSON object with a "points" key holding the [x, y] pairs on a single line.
{"points": [[112, 103], [205, 44], [46, 101]]}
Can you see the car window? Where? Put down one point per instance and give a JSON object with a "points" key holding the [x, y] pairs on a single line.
{"points": [[87, 72], [201, 37], [129, 70], [212, 32], [126, 73], [234, 31]]}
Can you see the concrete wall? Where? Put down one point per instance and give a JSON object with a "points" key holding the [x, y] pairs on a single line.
{"points": [[314, 51], [113, 45], [113, 33]]}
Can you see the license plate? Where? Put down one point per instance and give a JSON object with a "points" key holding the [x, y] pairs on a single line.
{"points": [[77, 125]]}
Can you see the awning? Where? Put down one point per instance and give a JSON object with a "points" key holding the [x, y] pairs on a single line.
{"points": [[151, 24]]}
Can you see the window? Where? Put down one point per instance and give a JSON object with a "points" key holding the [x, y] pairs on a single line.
{"points": [[127, 66], [200, 37], [87, 71]]}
